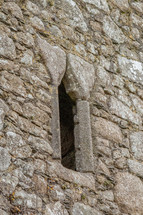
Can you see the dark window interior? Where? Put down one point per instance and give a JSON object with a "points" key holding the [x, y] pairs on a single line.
{"points": [[67, 128]]}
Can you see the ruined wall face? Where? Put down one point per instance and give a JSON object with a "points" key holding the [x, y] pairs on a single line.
{"points": [[108, 35]]}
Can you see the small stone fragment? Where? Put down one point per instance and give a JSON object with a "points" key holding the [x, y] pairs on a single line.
{"points": [[7, 47], [13, 8], [55, 209], [80, 208], [5, 159], [136, 140], [113, 31]]}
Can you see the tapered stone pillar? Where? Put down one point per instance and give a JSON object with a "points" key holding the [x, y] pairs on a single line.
{"points": [[83, 139]]}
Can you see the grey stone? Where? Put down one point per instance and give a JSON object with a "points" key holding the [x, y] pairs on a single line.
{"points": [[82, 179], [107, 195], [136, 34], [113, 31], [135, 167], [43, 3], [39, 117], [2, 115], [80, 48], [40, 166], [27, 126], [124, 97], [131, 69], [26, 39], [33, 8], [16, 146], [40, 184], [40, 144], [80, 208], [12, 83], [119, 109], [99, 4], [128, 193], [107, 129], [3, 110], [24, 181], [138, 103], [55, 60], [37, 23], [27, 58], [55, 209], [136, 20], [117, 81], [128, 53], [6, 64], [103, 76], [103, 168], [136, 140], [13, 8], [72, 14], [7, 47], [29, 200], [122, 4], [2, 212], [57, 194], [78, 82], [8, 183], [138, 6], [5, 159], [83, 139]]}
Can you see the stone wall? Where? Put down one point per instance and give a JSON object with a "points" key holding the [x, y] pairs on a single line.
{"points": [[108, 35]]}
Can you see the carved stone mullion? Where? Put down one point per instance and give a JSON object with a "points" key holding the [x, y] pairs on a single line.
{"points": [[56, 141], [83, 139]]}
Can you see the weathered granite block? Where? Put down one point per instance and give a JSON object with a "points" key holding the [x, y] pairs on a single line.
{"points": [[119, 109], [107, 129]]}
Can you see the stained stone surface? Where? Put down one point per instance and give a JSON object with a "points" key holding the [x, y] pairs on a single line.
{"points": [[136, 140], [5, 159], [107, 130], [113, 31], [2, 212], [80, 208], [72, 14], [7, 46], [13, 8], [99, 4], [128, 193], [79, 77], [30, 200], [131, 69], [122, 4], [56, 209], [135, 167], [121, 110], [16, 146]]}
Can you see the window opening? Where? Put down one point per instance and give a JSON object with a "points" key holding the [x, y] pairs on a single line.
{"points": [[66, 128]]}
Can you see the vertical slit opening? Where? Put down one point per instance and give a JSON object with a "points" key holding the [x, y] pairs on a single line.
{"points": [[67, 128]]}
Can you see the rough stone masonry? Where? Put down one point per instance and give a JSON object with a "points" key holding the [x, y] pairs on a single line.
{"points": [[102, 40]]}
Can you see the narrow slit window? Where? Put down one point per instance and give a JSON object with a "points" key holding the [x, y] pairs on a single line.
{"points": [[66, 128]]}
